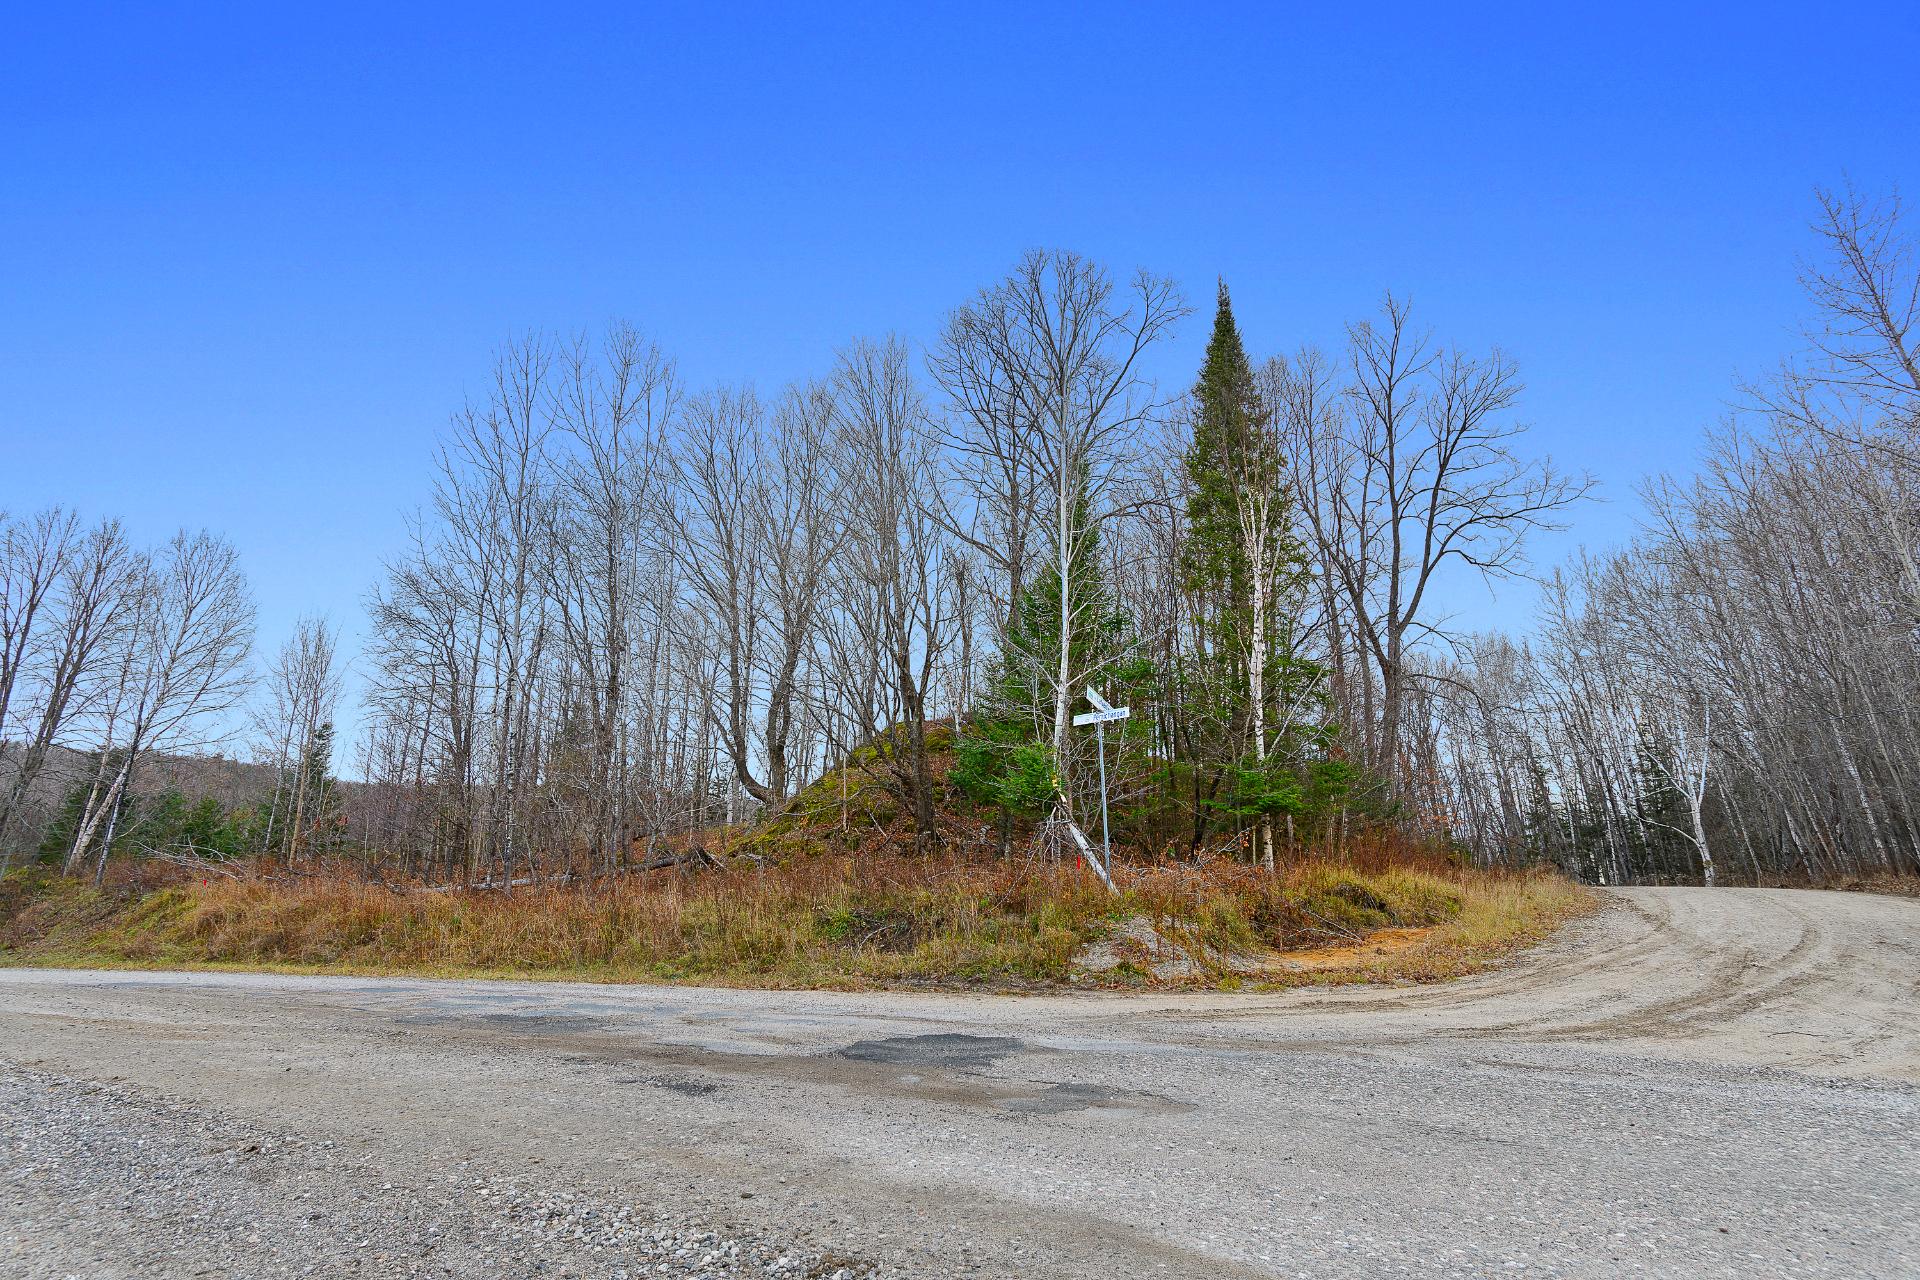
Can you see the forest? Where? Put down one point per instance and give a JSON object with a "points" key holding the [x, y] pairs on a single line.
{"points": [[636, 621]]}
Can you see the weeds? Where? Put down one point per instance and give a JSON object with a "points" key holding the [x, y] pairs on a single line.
{"points": [[821, 921]]}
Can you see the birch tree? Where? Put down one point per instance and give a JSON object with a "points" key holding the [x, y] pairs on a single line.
{"points": [[59, 653], [1061, 348], [302, 688], [182, 667]]}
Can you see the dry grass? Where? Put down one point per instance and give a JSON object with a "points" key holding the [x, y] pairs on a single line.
{"points": [[822, 921], [1895, 884], [1498, 915]]}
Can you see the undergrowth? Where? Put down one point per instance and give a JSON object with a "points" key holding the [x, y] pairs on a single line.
{"points": [[821, 921]]}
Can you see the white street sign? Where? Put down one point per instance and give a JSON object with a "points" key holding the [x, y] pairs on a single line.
{"points": [[1103, 714]]}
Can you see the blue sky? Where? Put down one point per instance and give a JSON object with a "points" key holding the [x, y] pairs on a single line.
{"points": [[251, 259]]}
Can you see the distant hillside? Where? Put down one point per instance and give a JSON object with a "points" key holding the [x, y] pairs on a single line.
{"points": [[232, 782]]}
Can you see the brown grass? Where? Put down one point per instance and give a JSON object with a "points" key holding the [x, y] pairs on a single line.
{"points": [[1887, 882], [1499, 915], [822, 921]]}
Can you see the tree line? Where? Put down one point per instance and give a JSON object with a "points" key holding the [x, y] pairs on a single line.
{"points": [[635, 613], [1735, 693], [129, 650]]}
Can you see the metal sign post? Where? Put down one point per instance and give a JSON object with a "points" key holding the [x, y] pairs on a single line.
{"points": [[1102, 713]]}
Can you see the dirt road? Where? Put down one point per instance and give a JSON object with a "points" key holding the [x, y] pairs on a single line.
{"points": [[1692, 1083]]}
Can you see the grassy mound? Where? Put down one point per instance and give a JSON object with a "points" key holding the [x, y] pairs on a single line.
{"points": [[850, 808]]}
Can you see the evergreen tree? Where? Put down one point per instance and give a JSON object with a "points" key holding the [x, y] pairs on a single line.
{"points": [[320, 803], [1005, 757], [164, 822], [1241, 568], [59, 835], [1096, 632], [1232, 443], [1657, 848]]}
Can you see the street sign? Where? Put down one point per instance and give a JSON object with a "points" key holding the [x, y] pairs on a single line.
{"points": [[1103, 714], [1103, 711]]}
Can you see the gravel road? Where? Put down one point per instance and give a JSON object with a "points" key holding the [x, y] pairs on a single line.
{"points": [[1691, 1083]]}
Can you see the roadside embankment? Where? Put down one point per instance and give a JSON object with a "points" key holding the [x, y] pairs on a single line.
{"points": [[819, 922]]}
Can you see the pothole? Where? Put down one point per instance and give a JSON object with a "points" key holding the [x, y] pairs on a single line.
{"points": [[674, 1084], [941, 1049]]}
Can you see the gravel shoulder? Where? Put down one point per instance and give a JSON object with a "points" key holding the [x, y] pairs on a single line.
{"points": [[1689, 1083], [104, 1181]]}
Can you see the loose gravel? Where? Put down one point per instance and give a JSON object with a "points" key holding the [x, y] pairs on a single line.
{"points": [[1695, 1084], [102, 1181]]}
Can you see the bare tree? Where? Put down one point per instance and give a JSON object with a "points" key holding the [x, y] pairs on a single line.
{"points": [[995, 461], [56, 599], [1866, 297], [617, 405], [896, 564], [1739, 685], [720, 541], [1046, 367], [1420, 472], [294, 723], [54, 677], [182, 667], [33, 556]]}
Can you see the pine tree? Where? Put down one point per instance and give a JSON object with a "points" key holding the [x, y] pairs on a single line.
{"points": [[315, 803], [1230, 439], [1240, 562], [1006, 757]]}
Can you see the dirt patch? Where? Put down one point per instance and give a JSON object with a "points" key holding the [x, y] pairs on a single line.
{"points": [[1165, 956], [1384, 942], [561, 1023], [686, 1086], [532, 1024]]}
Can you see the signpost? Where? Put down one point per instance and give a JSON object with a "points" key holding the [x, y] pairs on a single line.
{"points": [[1102, 714]]}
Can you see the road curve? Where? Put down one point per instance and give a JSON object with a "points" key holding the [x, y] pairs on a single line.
{"points": [[1689, 1083]]}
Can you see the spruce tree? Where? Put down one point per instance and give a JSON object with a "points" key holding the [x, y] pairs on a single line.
{"points": [[1230, 435], [1239, 563]]}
